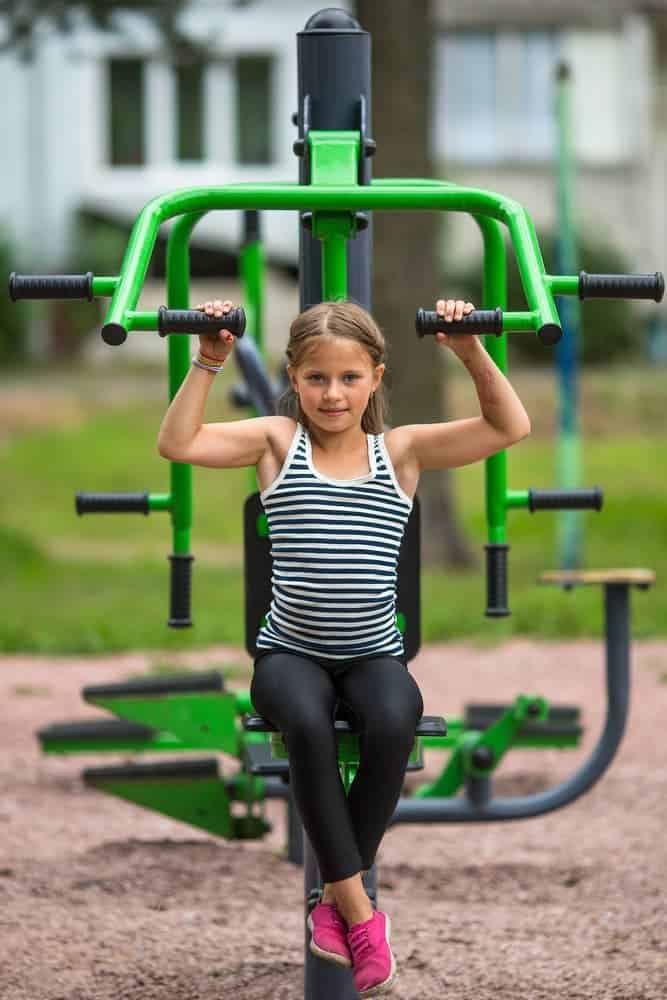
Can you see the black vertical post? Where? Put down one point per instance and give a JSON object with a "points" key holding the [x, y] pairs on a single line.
{"points": [[334, 92]]}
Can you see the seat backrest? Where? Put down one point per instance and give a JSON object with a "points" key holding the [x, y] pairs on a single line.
{"points": [[258, 567]]}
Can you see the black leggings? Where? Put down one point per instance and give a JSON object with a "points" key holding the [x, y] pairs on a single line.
{"points": [[298, 694]]}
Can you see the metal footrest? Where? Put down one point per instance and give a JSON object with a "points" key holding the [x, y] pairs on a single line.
{"points": [[95, 735], [561, 724], [210, 680]]}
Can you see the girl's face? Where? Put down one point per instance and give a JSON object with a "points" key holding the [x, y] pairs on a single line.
{"points": [[334, 383]]}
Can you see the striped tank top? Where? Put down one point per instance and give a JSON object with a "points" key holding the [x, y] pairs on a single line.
{"points": [[335, 546]]}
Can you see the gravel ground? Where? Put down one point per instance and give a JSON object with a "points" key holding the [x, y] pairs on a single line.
{"points": [[100, 899]]}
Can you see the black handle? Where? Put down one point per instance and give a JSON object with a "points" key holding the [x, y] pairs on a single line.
{"points": [[478, 321], [181, 587], [496, 581], [51, 286], [565, 499], [195, 321], [112, 503], [622, 286]]}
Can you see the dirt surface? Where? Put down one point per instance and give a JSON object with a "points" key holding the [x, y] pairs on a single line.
{"points": [[100, 899]]}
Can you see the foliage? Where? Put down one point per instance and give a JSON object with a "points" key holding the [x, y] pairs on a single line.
{"points": [[23, 17], [102, 584], [609, 330]]}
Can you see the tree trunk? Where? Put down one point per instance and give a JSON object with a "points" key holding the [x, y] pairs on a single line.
{"points": [[406, 272]]}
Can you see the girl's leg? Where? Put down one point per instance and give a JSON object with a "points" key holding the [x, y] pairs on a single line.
{"points": [[299, 697], [387, 701]]}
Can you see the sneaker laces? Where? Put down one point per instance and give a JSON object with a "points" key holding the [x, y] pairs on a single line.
{"points": [[359, 942]]}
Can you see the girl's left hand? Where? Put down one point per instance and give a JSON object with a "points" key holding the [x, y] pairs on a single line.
{"points": [[451, 309]]}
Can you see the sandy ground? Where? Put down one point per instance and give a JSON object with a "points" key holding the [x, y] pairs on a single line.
{"points": [[100, 899]]}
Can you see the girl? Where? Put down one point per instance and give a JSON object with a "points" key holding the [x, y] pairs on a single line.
{"points": [[337, 492]]}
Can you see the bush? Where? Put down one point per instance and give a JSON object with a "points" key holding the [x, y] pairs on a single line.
{"points": [[13, 316], [610, 330]]}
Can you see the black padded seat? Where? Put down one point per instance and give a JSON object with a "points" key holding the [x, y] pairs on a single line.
{"points": [[428, 725]]}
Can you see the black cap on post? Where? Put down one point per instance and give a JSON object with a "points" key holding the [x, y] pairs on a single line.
{"points": [[334, 73]]}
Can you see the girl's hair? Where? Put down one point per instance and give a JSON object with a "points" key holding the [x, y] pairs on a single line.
{"points": [[336, 319]]}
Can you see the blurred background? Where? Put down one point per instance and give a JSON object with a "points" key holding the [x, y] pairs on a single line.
{"points": [[561, 106]]}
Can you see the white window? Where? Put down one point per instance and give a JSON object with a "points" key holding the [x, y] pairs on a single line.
{"points": [[189, 89], [494, 96], [254, 118], [126, 141]]}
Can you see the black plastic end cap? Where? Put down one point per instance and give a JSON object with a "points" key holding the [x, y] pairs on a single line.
{"points": [[332, 19], [660, 286], [550, 334], [482, 757], [12, 277], [114, 334], [179, 622]]}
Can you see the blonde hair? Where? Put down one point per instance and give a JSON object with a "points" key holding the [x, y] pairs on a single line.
{"points": [[336, 319]]}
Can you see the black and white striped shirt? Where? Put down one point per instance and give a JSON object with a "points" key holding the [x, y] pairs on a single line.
{"points": [[335, 547]]}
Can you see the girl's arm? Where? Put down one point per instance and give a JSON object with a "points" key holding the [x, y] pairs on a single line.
{"points": [[503, 420], [184, 438]]}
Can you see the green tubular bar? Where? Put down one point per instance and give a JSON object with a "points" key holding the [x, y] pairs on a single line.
{"points": [[494, 294], [341, 198]]}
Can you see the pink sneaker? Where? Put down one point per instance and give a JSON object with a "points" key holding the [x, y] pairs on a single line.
{"points": [[373, 963], [329, 934]]}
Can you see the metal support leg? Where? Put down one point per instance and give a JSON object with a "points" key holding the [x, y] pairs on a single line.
{"points": [[322, 980], [294, 831]]}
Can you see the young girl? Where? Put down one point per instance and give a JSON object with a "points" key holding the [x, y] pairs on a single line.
{"points": [[337, 492]]}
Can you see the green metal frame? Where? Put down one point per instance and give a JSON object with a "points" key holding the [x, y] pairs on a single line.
{"points": [[334, 197]]}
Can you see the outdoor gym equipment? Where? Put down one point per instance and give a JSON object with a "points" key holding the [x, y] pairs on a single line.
{"points": [[333, 198]]}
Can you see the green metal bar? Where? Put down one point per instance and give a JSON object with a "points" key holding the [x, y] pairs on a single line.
{"points": [[145, 320], [333, 254], [568, 522], [563, 284], [518, 322], [334, 161], [251, 272], [251, 267], [178, 295], [516, 498], [159, 501], [494, 294], [294, 197], [104, 286]]}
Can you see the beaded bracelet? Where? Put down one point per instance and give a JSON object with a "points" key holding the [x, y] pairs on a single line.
{"points": [[209, 368]]}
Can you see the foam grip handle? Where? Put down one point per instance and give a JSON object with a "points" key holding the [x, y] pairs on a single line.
{"points": [[496, 581], [51, 286], [478, 321], [180, 590], [565, 499], [195, 321], [112, 503], [622, 286]]}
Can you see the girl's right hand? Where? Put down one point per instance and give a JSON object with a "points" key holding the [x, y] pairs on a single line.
{"points": [[217, 346]]}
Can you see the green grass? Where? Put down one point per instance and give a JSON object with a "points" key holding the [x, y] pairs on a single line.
{"points": [[100, 583]]}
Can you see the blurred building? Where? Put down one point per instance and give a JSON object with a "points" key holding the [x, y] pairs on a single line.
{"points": [[494, 117], [100, 122]]}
